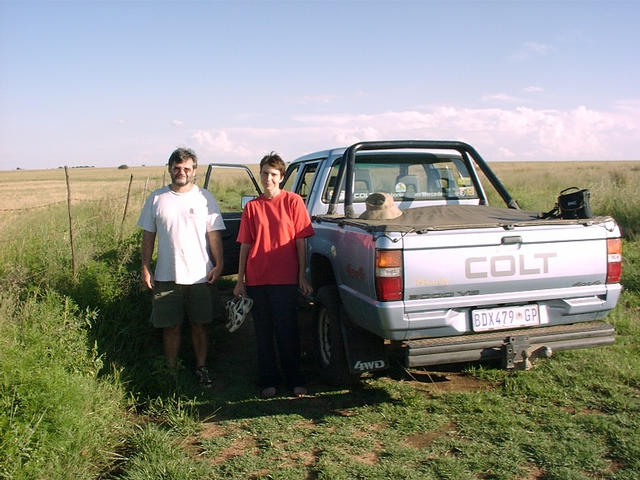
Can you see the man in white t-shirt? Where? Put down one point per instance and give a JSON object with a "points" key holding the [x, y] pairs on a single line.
{"points": [[186, 221]]}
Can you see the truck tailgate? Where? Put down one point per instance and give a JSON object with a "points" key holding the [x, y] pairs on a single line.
{"points": [[487, 279], [494, 260]]}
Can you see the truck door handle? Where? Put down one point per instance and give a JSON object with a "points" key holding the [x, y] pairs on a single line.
{"points": [[511, 240]]}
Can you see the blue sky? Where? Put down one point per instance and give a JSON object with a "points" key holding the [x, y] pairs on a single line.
{"points": [[111, 83]]}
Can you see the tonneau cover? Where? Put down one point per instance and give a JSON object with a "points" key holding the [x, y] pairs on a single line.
{"points": [[440, 217]]}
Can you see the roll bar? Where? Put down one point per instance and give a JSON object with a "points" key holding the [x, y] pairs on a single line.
{"points": [[347, 168]]}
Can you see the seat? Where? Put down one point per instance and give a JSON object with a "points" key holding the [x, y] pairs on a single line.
{"points": [[410, 182], [362, 181], [433, 181]]}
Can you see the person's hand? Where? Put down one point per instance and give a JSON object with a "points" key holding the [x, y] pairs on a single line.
{"points": [[147, 278], [239, 289], [213, 274], [305, 286]]}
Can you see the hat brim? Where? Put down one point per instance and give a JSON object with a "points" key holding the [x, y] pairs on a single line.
{"points": [[388, 213]]}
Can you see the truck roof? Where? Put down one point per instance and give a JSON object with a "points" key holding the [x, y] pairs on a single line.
{"points": [[321, 153], [338, 151]]}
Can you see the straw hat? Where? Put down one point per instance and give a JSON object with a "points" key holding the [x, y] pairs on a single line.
{"points": [[380, 206]]}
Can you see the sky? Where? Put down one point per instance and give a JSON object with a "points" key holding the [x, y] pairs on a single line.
{"points": [[109, 83]]}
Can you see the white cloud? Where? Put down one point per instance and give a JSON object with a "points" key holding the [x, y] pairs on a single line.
{"points": [[531, 49], [631, 106], [503, 97], [519, 133], [362, 134], [508, 98], [537, 48], [219, 142], [506, 153], [177, 123], [322, 99]]}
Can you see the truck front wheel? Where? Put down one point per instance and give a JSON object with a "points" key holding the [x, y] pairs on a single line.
{"points": [[329, 342]]}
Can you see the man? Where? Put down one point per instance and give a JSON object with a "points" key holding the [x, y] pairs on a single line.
{"points": [[187, 222]]}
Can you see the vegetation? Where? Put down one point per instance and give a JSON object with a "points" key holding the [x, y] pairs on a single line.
{"points": [[84, 392]]}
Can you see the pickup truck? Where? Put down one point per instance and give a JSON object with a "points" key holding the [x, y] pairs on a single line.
{"points": [[453, 279]]}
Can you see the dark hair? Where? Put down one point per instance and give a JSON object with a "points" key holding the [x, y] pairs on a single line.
{"points": [[181, 155], [273, 160]]}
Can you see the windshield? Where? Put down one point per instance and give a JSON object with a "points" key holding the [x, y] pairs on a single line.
{"points": [[407, 176]]}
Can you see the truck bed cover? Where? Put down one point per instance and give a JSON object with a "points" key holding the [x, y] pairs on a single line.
{"points": [[440, 217]]}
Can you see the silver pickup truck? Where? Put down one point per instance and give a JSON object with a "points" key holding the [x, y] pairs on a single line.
{"points": [[452, 279]]}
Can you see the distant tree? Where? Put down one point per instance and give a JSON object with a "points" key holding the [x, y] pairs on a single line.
{"points": [[123, 167]]}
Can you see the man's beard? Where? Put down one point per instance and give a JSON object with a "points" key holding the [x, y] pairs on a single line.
{"points": [[180, 180]]}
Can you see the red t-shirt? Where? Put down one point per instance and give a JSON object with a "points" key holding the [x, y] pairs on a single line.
{"points": [[271, 227]]}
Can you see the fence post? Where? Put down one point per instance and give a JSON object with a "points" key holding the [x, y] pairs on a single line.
{"points": [[144, 192], [126, 206], [73, 253]]}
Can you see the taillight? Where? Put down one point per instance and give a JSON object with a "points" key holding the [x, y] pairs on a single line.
{"points": [[614, 260], [389, 275]]}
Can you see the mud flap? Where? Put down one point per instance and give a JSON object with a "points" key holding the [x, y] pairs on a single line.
{"points": [[365, 351]]}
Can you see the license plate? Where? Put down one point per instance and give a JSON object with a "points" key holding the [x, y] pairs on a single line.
{"points": [[488, 319]]}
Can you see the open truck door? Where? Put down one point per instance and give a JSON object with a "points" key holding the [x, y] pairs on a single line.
{"points": [[231, 205]]}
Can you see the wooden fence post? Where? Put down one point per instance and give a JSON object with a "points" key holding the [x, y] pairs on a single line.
{"points": [[144, 192], [73, 253], [126, 206]]}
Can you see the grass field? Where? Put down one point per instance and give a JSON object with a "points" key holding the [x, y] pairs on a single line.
{"points": [[84, 392]]}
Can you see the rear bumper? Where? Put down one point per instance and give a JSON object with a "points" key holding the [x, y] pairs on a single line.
{"points": [[410, 320], [495, 345]]}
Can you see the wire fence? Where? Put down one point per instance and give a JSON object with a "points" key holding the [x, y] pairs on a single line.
{"points": [[32, 207], [78, 201], [71, 201]]}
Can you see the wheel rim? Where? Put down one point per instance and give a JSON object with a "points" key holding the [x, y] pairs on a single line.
{"points": [[324, 339]]}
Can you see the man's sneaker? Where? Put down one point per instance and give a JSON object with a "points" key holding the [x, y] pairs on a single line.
{"points": [[203, 377]]}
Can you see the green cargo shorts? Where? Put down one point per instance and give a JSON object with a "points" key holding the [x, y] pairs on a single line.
{"points": [[172, 303]]}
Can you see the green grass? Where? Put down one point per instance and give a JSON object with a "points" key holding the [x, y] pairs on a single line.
{"points": [[229, 192], [612, 185], [84, 392], [56, 416]]}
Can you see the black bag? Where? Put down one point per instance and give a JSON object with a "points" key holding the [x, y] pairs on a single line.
{"points": [[572, 203]]}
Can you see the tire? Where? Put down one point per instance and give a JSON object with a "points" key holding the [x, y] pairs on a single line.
{"points": [[328, 339]]}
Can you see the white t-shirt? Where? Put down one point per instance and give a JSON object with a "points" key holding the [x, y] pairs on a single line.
{"points": [[181, 222]]}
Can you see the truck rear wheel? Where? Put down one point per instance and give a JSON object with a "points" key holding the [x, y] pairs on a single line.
{"points": [[329, 344]]}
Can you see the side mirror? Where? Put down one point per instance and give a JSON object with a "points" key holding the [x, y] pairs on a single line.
{"points": [[246, 199]]}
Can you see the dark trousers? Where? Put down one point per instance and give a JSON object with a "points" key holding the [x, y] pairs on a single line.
{"points": [[275, 319]]}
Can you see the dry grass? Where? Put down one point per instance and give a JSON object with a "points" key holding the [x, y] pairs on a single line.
{"points": [[28, 189], [534, 184]]}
